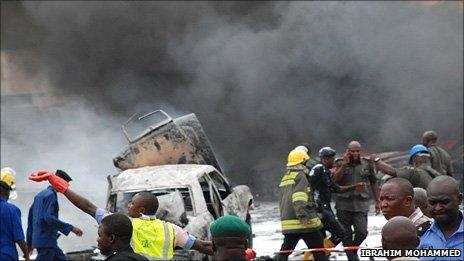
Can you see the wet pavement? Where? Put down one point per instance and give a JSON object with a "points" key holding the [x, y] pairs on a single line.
{"points": [[268, 237]]}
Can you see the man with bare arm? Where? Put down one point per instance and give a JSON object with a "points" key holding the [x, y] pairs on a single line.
{"points": [[152, 238]]}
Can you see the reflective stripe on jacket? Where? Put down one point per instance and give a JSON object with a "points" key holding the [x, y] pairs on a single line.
{"points": [[153, 238], [296, 202]]}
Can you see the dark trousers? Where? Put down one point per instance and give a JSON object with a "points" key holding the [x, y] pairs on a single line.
{"points": [[50, 253], [331, 224], [312, 240], [359, 222]]}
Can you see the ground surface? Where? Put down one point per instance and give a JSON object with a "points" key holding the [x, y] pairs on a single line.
{"points": [[268, 237]]}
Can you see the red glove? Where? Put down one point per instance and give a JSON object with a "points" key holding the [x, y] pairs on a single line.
{"points": [[40, 175], [250, 254], [57, 183]]}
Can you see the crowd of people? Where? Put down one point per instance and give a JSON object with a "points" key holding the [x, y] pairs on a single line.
{"points": [[421, 203], [423, 192], [139, 236]]}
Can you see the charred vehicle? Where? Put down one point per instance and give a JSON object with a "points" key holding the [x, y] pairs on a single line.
{"points": [[173, 159]]}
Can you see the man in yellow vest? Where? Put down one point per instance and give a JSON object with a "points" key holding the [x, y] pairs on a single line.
{"points": [[151, 237]]}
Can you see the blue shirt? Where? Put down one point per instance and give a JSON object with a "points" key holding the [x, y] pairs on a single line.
{"points": [[43, 223], [434, 238], [10, 230]]}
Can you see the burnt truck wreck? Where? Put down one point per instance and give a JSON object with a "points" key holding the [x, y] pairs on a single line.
{"points": [[172, 158]]}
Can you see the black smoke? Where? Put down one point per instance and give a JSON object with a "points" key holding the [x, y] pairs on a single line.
{"points": [[263, 77]]}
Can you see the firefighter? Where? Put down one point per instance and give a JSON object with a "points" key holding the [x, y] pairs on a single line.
{"points": [[440, 159], [352, 207], [298, 213], [420, 173], [152, 237], [11, 231], [323, 186], [43, 224]]}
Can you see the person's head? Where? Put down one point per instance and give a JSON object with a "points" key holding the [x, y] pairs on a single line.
{"points": [[396, 198], [296, 157], [327, 155], [142, 203], [8, 177], [229, 225], [420, 200], [421, 158], [354, 149], [444, 199], [399, 233], [226, 229], [4, 190], [429, 138], [63, 175], [114, 232], [416, 152]]}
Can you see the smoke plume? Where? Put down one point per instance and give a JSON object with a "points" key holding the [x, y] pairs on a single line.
{"points": [[262, 77]]}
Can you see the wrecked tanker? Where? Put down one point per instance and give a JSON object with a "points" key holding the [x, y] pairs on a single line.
{"points": [[173, 159], [168, 141]]}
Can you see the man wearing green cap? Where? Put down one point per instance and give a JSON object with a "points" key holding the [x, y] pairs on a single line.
{"points": [[229, 238]]}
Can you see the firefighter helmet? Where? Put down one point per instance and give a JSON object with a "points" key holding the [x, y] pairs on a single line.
{"points": [[296, 157], [301, 147]]}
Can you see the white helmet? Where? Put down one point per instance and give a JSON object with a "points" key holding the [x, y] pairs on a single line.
{"points": [[303, 148]]}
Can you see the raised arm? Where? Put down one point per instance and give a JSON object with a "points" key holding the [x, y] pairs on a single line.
{"points": [[81, 202], [386, 168], [338, 174]]}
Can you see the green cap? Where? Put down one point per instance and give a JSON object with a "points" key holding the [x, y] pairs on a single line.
{"points": [[228, 226]]}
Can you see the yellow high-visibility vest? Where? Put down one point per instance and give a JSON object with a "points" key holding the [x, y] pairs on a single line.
{"points": [[153, 238]]}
